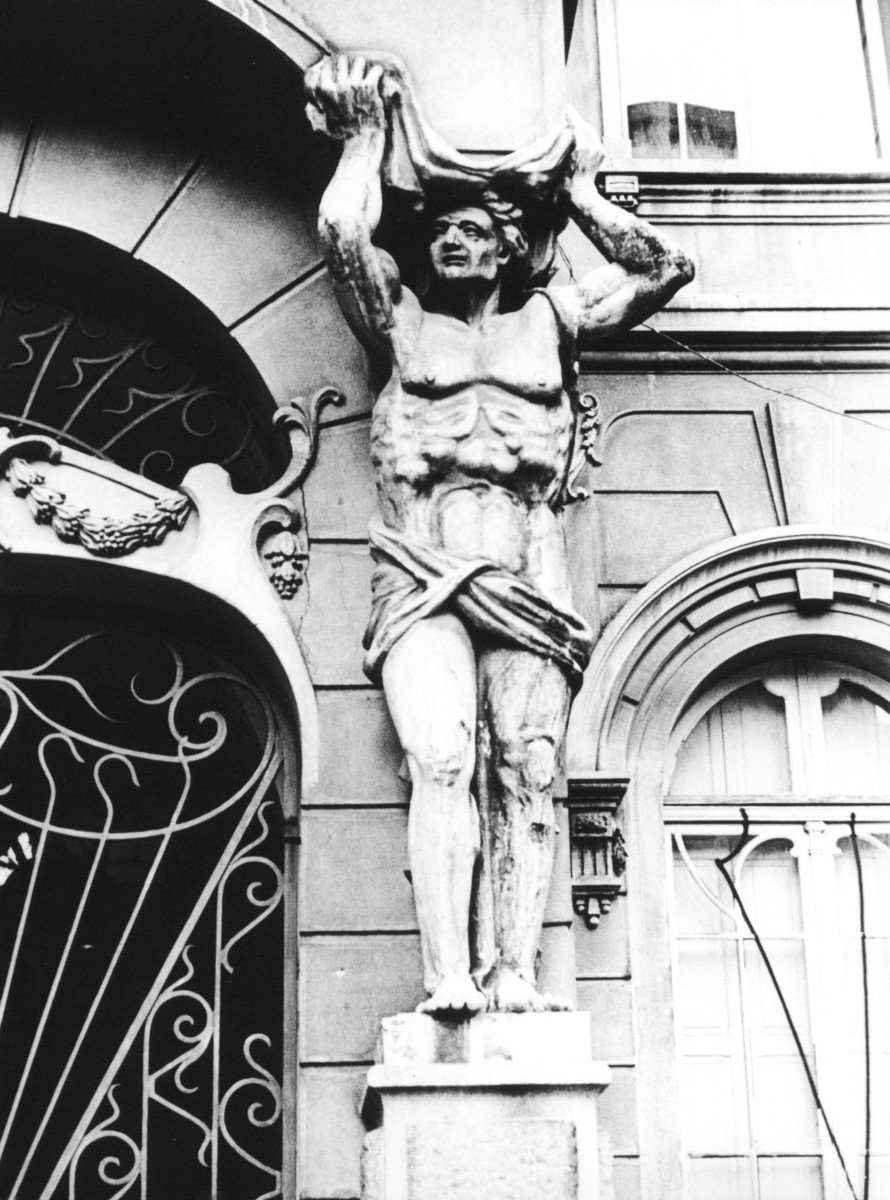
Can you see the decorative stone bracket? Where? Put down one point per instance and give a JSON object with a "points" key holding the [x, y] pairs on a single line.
{"points": [[285, 547], [598, 853]]}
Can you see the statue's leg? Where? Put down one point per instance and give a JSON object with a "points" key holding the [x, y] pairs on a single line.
{"points": [[430, 681], [524, 704]]}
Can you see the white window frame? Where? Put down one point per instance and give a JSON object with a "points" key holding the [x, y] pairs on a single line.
{"points": [[614, 117], [814, 825]]}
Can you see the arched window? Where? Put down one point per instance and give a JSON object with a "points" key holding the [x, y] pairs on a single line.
{"points": [[778, 812]]}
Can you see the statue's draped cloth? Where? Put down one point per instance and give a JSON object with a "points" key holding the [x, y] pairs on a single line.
{"points": [[418, 161], [412, 581]]}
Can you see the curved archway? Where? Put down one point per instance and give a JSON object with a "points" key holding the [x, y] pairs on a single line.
{"points": [[110, 356], [287, 31], [178, 136], [712, 609]]}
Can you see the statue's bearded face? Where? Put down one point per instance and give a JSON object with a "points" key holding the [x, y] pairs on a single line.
{"points": [[464, 245]]}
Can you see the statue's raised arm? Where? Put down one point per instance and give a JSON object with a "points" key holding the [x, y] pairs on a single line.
{"points": [[346, 98], [644, 267]]}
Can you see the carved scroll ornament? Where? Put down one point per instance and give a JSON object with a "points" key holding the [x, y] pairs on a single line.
{"points": [[286, 551]]}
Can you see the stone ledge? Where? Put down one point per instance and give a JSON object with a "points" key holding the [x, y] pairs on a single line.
{"points": [[488, 1076]]}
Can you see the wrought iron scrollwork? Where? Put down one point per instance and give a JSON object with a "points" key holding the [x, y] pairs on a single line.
{"points": [[122, 396], [133, 937]]}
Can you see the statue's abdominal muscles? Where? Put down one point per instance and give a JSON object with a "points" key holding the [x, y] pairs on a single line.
{"points": [[476, 470]]}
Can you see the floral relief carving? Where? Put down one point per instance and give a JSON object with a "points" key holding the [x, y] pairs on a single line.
{"points": [[287, 557], [106, 537], [284, 549]]}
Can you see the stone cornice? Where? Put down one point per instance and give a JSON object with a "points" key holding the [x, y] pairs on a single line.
{"points": [[743, 196]]}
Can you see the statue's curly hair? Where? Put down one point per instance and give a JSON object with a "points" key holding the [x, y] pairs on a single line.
{"points": [[509, 222]]}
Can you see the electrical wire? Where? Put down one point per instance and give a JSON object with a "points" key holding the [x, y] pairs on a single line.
{"points": [[763, 387], [866, 1014], [722, 864], [675, 341]]}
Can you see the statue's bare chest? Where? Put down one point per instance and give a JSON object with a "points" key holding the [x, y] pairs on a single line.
{"points": [[513, 351]]}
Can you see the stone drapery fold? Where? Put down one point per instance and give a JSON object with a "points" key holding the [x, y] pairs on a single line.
{"points": [[412, 581]]}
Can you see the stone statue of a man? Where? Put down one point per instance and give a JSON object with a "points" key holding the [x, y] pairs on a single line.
{"points": [[472, 631]]}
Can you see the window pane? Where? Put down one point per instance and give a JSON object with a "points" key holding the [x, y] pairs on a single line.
{"points": [[790, 1178], [694, 912], [728, 1178], [654, 129], [735, 1043], [782, 80], [857, 743], [808, 97], [769, 884], [710, 132], [785, 1118], [739, 747], [851, 1032]]}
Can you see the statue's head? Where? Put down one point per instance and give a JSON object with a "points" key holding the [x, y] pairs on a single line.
{"points": [[478, 238]]}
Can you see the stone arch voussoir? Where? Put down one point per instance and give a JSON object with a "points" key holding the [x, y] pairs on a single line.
{"points": [[746, 597]]}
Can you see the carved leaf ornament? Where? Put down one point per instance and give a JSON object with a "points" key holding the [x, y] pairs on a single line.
{"points": [[142, 1019], [106, 537]]}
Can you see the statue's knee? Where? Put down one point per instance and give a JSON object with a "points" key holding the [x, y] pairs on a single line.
{"points": [[444, 759], [533, 759]]}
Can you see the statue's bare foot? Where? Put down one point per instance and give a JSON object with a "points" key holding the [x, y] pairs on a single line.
{"points": [[455, 999], [508, 991]]}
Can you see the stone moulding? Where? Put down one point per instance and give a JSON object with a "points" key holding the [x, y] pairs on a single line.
{"points": [[277, 22], [712, 608]]}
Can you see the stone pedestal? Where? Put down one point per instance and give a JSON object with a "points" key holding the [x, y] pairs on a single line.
{"points": [[502, 1107]]}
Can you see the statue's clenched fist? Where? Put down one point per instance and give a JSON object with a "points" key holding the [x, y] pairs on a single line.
{"points": [[345, 95], [587, 155]]}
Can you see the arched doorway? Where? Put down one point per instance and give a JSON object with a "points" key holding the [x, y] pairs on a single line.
{"points": [[146, 1003]]}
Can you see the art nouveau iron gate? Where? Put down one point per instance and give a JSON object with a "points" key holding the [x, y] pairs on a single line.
{"points": [[149, 790], [141, 918]]}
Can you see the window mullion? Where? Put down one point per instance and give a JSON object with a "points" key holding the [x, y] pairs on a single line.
{"points": [[876, 66], [743, 101], [747, 1048], [817, 851], [614, 114], [809, 698]]}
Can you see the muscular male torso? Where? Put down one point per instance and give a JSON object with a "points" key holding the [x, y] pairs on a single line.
{"points": [[471, 439]]}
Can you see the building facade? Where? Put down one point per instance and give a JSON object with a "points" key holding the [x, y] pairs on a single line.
{"points": [[206, 912]]}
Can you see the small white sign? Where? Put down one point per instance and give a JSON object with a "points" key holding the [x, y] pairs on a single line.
{"points": [[626, 184]]}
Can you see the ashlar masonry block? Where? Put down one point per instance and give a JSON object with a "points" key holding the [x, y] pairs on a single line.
{"points": [[503, 1107]]}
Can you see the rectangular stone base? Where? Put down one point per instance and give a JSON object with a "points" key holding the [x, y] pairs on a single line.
{"points": [[502, 1107]]}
